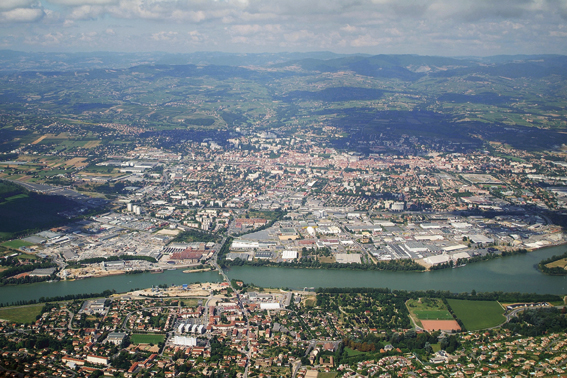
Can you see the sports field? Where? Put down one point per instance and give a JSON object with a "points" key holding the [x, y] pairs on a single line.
{"points": [[477, 315], [16, 244], [146, 338], [433, 315], [424, 309]]}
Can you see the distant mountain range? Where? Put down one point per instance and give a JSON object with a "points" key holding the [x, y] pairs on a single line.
{"points": [[403, 67]]}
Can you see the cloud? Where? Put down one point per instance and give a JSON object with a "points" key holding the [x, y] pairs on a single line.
{"points": [[400, 26], [49, 39], [164, 36], [88, 37], [6, 5], [86, 12], [196, 37], [75, 3], [22, 15]]}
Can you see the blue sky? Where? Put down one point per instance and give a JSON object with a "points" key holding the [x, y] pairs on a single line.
{"points": [[434, 27]]}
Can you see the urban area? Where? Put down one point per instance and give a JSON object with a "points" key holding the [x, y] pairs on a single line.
{"points": [[294, 204]]}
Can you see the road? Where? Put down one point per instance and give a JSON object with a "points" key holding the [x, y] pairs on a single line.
{"points": [[214, 262]]}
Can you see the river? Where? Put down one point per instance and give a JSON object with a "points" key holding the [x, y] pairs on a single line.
{"points": [[514, 273], [121, 283]]}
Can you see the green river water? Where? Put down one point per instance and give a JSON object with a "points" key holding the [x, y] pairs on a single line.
{"points": [[514, 273]]}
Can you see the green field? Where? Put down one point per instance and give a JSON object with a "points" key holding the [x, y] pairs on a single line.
{"points": [[21, 314], [15, 244], [428, 309], [17, 196], [352, 352], [264, 214], [477, 315], [327, 375], [433, 315], [146, 338]]}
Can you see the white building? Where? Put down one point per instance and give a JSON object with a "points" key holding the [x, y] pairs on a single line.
{"points": [[398, 206], [269, 306], [245, 244], [436, 260], [97, 360], [289, 255], [185, 341]]}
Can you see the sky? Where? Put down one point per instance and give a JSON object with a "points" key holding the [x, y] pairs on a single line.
{"points": [[424, 27]]}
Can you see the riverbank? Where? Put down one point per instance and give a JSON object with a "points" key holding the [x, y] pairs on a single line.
{"points": [[198, 270], [405, 265]]}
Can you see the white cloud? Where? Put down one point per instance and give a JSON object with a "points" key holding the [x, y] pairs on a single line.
{"points": [[196, 37], [6, 5], [22, 15], [411, 26], [86, 12], [75, 3], [164, 36], [49, 39], [349, 29], [88, 37]]}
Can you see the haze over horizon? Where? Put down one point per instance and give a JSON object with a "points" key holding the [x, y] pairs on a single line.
{"points": [[437, 27]]}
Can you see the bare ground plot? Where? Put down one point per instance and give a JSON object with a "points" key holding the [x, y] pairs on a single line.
{"points": [[443, 325], [76, 162]]}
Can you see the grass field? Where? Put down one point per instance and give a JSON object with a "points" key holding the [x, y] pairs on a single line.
{"points": [[327, 375], [264, 214], [310, 302], [327, 259], [21, 314], [428, 309], [190, 302], [433, 315], [557, 264], [477, 315], [27, 256], [15, 244], [352, 352], [146, 339]]}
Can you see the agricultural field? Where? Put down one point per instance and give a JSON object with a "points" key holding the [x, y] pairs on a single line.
{"points": [[477, 315], [21, 314], [146, 338]]}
